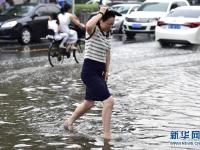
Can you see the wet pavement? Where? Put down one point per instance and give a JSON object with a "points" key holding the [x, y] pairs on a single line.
{"points": [[156, 91], [14, 46]]}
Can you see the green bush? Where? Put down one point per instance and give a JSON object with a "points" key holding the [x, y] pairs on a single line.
{"points": [[87, 7]]}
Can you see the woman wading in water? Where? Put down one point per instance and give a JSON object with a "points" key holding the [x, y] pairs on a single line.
{"points": [[95, 68]]}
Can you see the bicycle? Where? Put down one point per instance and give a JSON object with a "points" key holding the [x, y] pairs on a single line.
{"points": [[57, 55]]}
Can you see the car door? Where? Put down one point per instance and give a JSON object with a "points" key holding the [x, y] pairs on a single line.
{"points": [[39, 23]]}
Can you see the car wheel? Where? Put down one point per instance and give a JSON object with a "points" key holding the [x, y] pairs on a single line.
{"points": [[166, 44], [25, 36]]}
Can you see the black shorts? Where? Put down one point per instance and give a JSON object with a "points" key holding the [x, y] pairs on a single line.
{"points": [[96, 86]]}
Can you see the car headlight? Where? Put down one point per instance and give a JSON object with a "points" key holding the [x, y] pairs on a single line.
{"points": [[127, 19], [9, 24]]}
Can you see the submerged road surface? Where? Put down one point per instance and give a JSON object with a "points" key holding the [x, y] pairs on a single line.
{"points": [[156, 93]]}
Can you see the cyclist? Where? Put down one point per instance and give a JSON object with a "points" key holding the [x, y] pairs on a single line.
{"points": [[65, 18], [54, 24]]}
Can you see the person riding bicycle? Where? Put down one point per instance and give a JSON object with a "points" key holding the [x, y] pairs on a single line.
{"points": [[65, 18], [54, 24]]}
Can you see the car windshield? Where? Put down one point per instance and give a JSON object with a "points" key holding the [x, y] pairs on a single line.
{"points": [[121, 9], [134, 9], [184, 13], [115, 7], [154, 6], [20, 10]]}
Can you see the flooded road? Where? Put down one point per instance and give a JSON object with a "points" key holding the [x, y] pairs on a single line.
{"points": [[156, 92]]}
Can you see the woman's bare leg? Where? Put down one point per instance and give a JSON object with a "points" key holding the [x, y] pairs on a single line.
{"points": [[106, 117], [79, 111]]}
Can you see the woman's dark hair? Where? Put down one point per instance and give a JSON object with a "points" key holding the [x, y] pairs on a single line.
{"points": [[65, 8], [106, 16], [110, 14], [54, 16]]}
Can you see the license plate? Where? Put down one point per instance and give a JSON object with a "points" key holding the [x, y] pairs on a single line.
{"points": [[136, 25], [174, 26]]}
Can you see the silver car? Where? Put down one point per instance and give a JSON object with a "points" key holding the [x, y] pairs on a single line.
{"points": [[124, 9]]}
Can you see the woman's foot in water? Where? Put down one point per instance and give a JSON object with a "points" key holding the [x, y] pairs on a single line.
{"points": [[107, 136], [68, 125]]}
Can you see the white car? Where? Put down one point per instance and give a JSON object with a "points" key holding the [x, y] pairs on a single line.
{"points": [[98, 1], [181, 26], [124, 9], [144, 20]]}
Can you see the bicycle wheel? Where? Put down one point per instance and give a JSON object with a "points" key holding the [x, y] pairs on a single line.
{"points": [[55, 57], [79, 53]]}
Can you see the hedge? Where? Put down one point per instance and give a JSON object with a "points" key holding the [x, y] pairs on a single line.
{"points": [[88, 7]]}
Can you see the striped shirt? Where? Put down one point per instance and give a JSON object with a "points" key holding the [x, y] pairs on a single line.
{"points": [[97, 46]]}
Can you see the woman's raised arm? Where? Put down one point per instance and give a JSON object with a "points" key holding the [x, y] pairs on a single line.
{"points": [[90, 25]]}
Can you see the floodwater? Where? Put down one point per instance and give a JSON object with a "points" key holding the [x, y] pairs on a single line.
{"points": [[156, 92]]}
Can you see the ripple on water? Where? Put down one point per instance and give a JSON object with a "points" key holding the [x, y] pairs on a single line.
{"points": [[29, 97], [66, 97], [36, 110], [25, 140], [56, 144], [3, 95], [26, 108], [42, 88], [50, 134], [34, 99], [77, 84], [29, 89], [4, 122], [22, 145], [73, 146], [57, 87], [63, 83]]}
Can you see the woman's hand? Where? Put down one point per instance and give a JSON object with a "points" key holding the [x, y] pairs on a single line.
{"points": [[105, 75], [103, 9], [91, 24], [82, 26]]}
